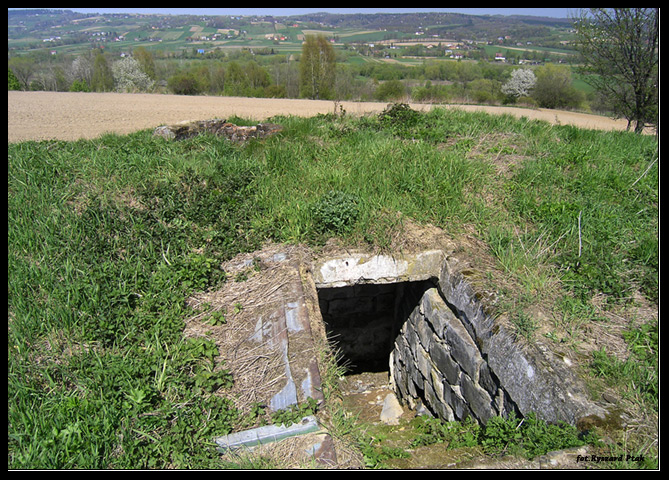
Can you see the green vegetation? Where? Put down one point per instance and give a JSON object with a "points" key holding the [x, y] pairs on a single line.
{"points": [[107, 238], [528, 437]]}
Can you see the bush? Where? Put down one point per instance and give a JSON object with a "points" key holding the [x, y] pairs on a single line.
{"points": [[431, 93], [335, 212], [390, 90], [554, 89], [12, 82], [184, 84], [399, 114], [79, 86]]}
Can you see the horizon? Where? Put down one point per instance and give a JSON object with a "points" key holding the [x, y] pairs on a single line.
{"points": [[287, 12]]}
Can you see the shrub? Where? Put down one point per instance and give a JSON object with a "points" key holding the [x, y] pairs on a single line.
{"points": [[79, 86], [390, 90], [399, 114], [335, 212], [184, 84], [12, 82]]}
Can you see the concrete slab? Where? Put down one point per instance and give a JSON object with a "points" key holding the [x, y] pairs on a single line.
{"points": [[351, 269], [266, 434]]}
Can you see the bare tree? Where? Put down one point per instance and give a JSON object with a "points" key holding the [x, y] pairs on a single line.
{"points": [[620, 51], [24, 69]]}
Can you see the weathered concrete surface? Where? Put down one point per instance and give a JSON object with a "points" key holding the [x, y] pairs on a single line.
{"points": [[266, 434], [365, 268]]}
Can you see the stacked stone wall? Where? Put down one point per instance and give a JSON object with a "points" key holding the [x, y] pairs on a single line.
{"points": [[437, 363]]}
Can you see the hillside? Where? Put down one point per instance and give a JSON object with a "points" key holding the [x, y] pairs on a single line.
{"points": [[67, 31], [108, 238]]}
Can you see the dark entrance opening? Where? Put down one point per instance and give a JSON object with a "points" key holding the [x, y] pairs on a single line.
{"points": [[363, 320]]}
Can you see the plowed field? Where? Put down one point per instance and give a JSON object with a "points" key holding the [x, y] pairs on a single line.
{"points": [[71, 116]]}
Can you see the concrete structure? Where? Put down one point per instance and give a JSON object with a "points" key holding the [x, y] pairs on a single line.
{"points": [[423, 317]]}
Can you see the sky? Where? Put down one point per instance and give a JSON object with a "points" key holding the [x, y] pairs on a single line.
{"points": [[544, 12]]}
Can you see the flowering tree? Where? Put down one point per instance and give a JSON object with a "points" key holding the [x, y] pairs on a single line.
{"points": [[520, 84], [129, 77]]}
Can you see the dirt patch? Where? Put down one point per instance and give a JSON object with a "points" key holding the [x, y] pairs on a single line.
{"points": [[73, 116]]}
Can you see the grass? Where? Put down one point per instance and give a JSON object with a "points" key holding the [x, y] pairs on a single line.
{"points": [[108, 237]]}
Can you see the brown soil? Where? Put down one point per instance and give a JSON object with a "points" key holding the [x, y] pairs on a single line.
{"points": [[71, 116]]}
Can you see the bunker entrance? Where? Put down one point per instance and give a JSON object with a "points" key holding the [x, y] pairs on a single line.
{"points": [[363, 321]]}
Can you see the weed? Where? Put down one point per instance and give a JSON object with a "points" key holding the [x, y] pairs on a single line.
{"points": [[295, 413], [455, 434], [336, 212], [528, 437], [525, 325]]}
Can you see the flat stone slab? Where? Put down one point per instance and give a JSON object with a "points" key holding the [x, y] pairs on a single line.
{"points": [[364, 268], [266, 434]]}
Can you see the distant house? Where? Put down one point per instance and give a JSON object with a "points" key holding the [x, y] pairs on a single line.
{"points": [[499, 57]]}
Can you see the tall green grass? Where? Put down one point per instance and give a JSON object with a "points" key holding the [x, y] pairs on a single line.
{"points": [[108, 237]]}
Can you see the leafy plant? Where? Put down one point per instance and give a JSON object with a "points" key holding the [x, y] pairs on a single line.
{"points": [[527, 436], [398, 115], [295, 413], [375, 455], [336, 212], [454, 434], [530, 436]]}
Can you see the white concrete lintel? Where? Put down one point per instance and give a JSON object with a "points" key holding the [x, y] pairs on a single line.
{"points": [[354, 269]]}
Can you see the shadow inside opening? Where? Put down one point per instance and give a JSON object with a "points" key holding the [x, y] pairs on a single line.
{"points": [[362, 321]]}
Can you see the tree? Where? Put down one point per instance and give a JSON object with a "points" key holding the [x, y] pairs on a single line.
{"points": [[520, 84], [235, 80], [145, 59], [129, 77], [23, 69], [317, 67], [390, 90], [81, 69], [554, 89], [184, 83], [620, 52], [12, 82], [103, 79]]}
